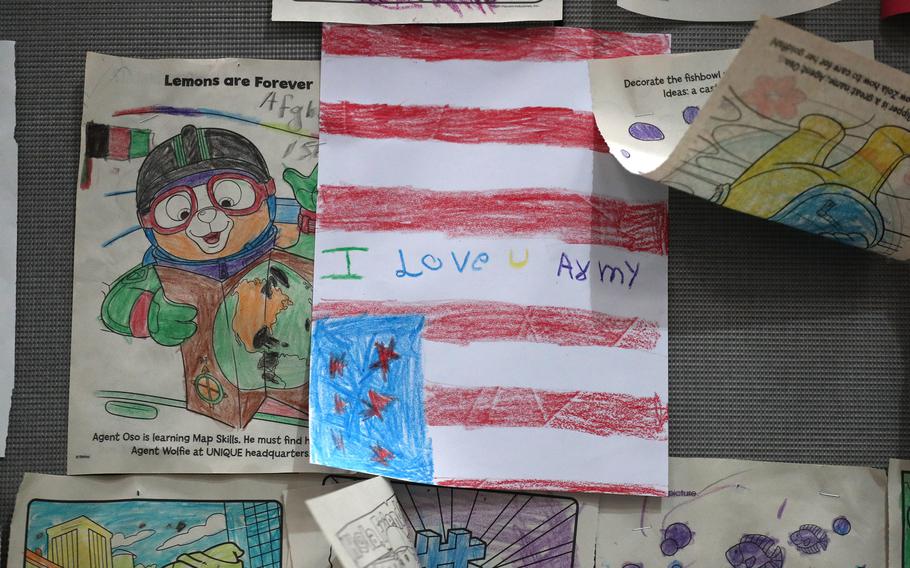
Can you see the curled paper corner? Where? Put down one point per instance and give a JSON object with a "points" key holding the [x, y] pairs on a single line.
{"points": [[365, 525]]}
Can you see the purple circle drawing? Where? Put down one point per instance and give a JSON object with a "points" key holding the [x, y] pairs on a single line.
{"points": [[841, 526], [679, 532], [625, 153], [669, 547], [689, 114], [645, 132]]}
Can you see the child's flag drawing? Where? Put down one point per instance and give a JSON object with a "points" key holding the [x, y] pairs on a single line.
{"points": [[490, 302]]}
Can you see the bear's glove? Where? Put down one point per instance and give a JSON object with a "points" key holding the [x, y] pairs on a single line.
{"points": [[170, 323], [304, 187]]}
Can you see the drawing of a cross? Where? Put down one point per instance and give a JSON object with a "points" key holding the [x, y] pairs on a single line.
{"points": [[457, 552]]}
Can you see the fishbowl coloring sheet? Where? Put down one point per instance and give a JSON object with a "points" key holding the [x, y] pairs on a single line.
{"points": [[645, 104], [193, 268], [798, 130], [744, 514]]}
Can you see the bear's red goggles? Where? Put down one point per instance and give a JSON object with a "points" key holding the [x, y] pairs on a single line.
{"points": [[233, 193]]}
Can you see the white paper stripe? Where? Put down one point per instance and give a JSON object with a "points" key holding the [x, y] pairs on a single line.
{"points": [[542, 453], [455, 83], [548, 367], [446, 166]]}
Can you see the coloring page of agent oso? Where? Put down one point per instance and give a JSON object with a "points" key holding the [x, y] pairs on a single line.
{"points": [[193, 274], [216, 281]]}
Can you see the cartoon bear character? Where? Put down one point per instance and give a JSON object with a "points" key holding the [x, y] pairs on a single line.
{"points": [[223, 278]]}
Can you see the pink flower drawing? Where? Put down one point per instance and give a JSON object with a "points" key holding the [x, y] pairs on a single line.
{"points": [[776, 97]]}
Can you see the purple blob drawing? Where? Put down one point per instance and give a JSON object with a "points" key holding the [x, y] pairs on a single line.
{"points": [[668, 547], [679, 532], [625, 153], [780, 511], [689, 114], [645, 132], [841, 526], [809, 539], [756, 551]]}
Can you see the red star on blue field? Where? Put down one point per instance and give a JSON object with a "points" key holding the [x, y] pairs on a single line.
{"points": [[375, 405], [366, 377], [382, 455], [386, 355], [340, 404], [336, 366]]}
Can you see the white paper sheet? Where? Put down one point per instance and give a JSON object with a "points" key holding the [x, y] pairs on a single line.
{"points": [[899, 514], [416, 11], [365, 526], [8, 214], [735, 514], [190, 356], [308, 546], [720, 10], [151, 521], [466, 192]]}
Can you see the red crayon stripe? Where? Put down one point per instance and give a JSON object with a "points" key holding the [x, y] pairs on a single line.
{"points": [[597, 413], [440, 43], [553, 485], [462, 323], [119, 143], [552, 126], [572, 217]]}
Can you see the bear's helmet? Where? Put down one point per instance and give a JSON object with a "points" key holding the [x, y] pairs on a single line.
{"points": [[194, 151]]}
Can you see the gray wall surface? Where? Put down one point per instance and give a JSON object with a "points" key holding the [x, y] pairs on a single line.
{"points": [[783, 346]]}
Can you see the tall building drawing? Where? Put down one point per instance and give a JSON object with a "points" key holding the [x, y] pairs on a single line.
{"points": [[255, 526], [124, 559], [79, 543]]}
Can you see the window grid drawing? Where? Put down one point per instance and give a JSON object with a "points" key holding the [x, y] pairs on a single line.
{"points": [[263, 527]]}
